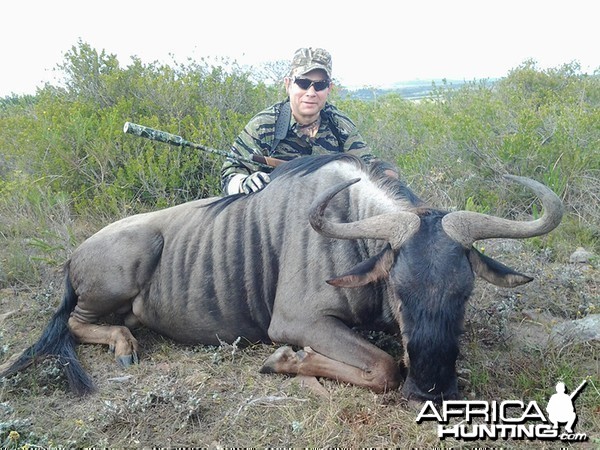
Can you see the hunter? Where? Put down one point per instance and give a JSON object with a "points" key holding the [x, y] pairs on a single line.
{"points": [[303, 124]]}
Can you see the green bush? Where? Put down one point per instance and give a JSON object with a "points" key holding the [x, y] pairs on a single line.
{"points": [[540, 123], [64, 152]]}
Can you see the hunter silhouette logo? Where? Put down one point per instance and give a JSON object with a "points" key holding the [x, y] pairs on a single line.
{"points": [[508, 419], [560, 406]]}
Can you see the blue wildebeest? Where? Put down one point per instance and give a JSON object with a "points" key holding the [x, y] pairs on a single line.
{"points": [[254, 266]]}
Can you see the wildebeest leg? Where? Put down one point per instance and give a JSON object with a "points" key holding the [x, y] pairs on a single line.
{"points": [[90, 309], [109, 273], [334, 351], [310, 363], [118, 338]]}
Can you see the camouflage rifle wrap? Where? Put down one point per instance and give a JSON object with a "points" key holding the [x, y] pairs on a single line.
{"points": [[173, 139]]}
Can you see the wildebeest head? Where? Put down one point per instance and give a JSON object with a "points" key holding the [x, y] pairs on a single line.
{"points": [[430, 265]]}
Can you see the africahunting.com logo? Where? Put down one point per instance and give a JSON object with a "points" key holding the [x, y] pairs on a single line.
{"points": [[508, 419]]}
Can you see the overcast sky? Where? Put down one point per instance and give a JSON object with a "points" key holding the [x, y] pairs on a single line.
{"points": [[373, 42]]}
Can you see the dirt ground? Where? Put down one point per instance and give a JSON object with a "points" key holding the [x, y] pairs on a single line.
{"points": [[214, 396]]}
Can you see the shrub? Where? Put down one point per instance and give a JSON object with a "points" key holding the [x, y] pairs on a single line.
{"points": [[65, 145]]}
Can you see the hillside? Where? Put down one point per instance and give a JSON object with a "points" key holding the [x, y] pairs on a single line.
{"points": [[409, 90]]}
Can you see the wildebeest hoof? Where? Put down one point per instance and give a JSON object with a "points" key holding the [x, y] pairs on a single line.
{"points": [[128, 360], [281, 361]]}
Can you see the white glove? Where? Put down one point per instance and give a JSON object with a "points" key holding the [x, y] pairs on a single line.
{"points": [[245, 184]]}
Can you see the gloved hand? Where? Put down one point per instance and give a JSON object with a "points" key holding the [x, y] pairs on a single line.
{"points": [[245, 184], [255, 182]]}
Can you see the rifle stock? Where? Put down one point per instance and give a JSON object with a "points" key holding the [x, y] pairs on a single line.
{"points": [[173, 139]]}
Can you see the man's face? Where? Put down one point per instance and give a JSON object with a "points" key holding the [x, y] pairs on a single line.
{"points": [[307, 103]]}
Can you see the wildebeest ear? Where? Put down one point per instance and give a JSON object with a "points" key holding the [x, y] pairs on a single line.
{"points": [[494, 272], [372, 269]]}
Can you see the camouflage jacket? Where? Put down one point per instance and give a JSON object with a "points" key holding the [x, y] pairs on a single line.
{"points": [[337, 133]]}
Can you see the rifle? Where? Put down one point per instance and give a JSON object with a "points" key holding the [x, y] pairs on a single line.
{"points": [[173, 139], [576, 391]]}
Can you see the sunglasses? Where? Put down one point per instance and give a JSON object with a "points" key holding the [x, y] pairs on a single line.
{"points": [[305, 84]]}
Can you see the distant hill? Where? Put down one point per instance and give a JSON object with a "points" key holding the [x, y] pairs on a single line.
{"points": [[410, 90]]}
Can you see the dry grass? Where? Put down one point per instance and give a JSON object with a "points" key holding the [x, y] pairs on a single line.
{"points": [[214, 396]]}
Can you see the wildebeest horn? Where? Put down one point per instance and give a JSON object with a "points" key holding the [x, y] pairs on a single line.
{"points": [[392, 227], [467, 227]]}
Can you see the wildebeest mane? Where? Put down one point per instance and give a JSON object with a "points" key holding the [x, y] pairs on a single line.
{"points": [[297, 167], [378, 171], [381, 172], [306, 165]]}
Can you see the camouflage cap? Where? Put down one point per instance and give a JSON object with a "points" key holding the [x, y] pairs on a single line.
{"points": [[307, 59]]}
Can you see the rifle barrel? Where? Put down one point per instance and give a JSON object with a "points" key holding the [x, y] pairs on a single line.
{"points": [[173, 139], [576, 391]]}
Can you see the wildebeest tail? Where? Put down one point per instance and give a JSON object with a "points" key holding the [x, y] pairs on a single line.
{"points": [[58, 342]]}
